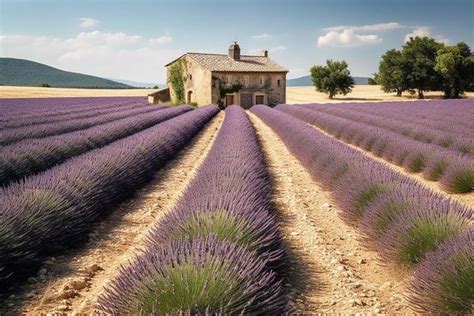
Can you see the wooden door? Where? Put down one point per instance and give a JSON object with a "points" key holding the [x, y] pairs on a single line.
{"points": [[259, 99], [229, 99]]}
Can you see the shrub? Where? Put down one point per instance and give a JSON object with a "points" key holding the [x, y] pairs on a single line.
{"points": [[444, 282], [203, 276]]}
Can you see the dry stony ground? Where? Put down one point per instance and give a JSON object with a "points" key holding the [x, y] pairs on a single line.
{"points": [[330, 270]]}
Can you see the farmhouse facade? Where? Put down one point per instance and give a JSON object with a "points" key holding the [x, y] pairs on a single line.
{"points": [[224, 79]]}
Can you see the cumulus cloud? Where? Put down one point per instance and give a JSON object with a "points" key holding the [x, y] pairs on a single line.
{"points": [[263, 36], [88, 22], [355, 35], [107, 54], [347, 38], [422, 31]]}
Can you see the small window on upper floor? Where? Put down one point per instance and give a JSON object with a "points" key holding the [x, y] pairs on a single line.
{"points": [[190, 77], [228, 79], [246, 81], [278, 83], [262, 80]]}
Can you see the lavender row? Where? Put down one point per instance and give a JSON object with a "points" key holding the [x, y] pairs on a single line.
{"points": [[441, 115], [13, 135], [454, 171], [88, 112], [462, 143], [31, 156], [215, 251], [400, 218], [54, 210], [26, 108]]}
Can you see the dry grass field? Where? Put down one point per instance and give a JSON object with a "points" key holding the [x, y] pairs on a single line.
{"points": [[361, 93], [39, 92], [294, 95]]}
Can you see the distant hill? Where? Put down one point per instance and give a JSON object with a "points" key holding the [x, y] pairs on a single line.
{"points": [[138, 84], [306, 81], [21, 72]]}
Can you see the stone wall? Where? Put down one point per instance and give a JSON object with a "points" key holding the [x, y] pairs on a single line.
{"points": [[254, 84], [205, 87], [197, 81]]}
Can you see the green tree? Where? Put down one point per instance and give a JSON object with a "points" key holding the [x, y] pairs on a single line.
{"points": [[176, 79], [418, 61], [456, 66], [391, 75], [334, 78], [374, 80]]}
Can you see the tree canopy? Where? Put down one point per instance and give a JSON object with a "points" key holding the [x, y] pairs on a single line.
{"points": [[391, 76], [456, 66], [333, 78], [426, 65]]}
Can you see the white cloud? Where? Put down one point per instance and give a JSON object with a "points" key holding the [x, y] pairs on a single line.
{"points": [[161, 40], [355, 35], [422, 31], [347, 38], [88, 22], [263, 36], [380, 27], [106, 54]]}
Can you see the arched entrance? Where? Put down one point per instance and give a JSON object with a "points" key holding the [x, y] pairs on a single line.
{"points": [[190, 97]]}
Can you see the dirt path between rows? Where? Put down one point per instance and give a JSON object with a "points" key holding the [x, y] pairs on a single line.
{"points": [[72, 283], [330, 270], [466, 198]]}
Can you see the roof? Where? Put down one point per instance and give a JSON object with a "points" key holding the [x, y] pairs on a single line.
{"points": [[221, 62]]}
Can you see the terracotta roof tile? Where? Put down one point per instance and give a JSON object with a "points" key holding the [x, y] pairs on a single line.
{"points": [[221, 62]]}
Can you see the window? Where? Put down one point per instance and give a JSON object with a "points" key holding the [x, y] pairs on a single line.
{"points": [[246, 81], [261, 80], [190, 77], [228, 79], [278, 83]]}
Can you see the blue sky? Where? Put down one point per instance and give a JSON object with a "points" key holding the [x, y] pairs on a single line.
{"points": [[134, 39]]}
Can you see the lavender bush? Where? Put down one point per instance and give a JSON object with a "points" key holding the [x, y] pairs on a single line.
{"points": [[16, 122], [444, 282], [12, 135], [453, 137], [55, 209], [228, 203], [20, 109], [203, 276], [412, 155], [35, 155], [413, 220]]}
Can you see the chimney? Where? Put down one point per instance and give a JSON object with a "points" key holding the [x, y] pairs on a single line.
{"points": [[234, 51], [265, 53]]}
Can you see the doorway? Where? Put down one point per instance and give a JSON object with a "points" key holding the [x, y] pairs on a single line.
{"points": [[190, 97], [259, 99], [229, 99]]}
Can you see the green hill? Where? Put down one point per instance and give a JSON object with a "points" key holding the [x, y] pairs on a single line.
{"points": [[306, 81], [21, 72]]}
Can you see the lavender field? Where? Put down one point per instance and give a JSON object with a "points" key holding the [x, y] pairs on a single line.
{"points": [[111, 205]]}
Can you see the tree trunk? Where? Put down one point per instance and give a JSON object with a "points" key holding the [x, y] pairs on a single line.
{"points": [[420, 94], [399, 93]]}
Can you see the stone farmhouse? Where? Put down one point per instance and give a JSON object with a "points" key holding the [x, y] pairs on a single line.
{"points": [[223, 79]]}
